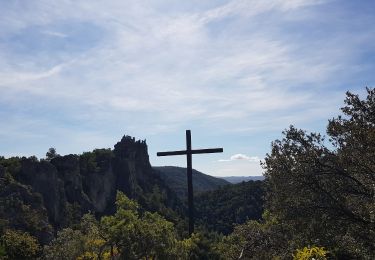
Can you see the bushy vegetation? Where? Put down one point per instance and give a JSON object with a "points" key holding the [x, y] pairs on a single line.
{"points": [[318, 192], [220, 210], [18, 245], [128, 234]]}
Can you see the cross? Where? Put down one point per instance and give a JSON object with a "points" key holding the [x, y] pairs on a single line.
{"points": [[189, 152]]}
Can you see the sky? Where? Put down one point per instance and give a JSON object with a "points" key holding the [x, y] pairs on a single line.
{"points": [[78, 75]]}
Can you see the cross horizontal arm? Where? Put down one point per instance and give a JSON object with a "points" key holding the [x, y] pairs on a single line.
{"points": [[171, 153], [211, 150]]}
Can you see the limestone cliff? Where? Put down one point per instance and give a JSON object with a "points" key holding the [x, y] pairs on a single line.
{"points": [[68, 186]]}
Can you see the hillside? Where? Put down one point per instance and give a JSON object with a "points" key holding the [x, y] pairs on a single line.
{"points": [[221, 209], [49, 194], [238, 179], [47, 198], [175, 178]]}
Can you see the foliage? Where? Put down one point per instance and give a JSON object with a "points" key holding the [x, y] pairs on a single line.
{"points": [[96, 161], [77, 243], [220, 210], [51, 154], [12, 164], [3, 252], [69, 244], [19, 245], [329, 193], [129, 234], [135, 235], [202, 246], [256, 240], [309, 253], [20, 208], [175, 178]]}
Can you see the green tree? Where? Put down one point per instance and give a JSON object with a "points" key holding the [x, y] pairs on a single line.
{"points": [[19, 245], [326, 196], [310, 253], [84, 242], [69, 244], [129, 234], [51, 154], [138, 236], [264, 239]]}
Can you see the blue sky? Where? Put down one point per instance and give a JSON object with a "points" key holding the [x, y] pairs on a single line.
{"points": [[78, 75]]}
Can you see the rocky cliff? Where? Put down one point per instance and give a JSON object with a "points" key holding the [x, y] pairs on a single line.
{"points": [[58, 190]]}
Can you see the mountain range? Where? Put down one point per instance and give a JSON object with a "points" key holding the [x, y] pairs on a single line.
{"points": [[238, 179]]}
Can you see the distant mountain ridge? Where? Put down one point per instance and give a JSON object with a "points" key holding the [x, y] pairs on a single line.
{"points": [[238, 179], [175, 178]]}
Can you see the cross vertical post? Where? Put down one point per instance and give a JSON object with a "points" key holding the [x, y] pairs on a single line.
{"points": [[189, 172], [189, 169]]}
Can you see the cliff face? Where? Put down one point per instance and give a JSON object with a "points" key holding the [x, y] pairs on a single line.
{"points": [[72, 185], [131, 163], [22, 208], [42, 178]]}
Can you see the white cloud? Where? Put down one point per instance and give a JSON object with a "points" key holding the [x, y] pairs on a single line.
{"points": [[170, 64], [242, 157], [55, 34], [235, 67]]}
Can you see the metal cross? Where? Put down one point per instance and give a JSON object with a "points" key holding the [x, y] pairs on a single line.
{"points": [[189, 153]]}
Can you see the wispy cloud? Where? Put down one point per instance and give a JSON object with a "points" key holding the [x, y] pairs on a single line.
{"points": [[241, 157], [242, 67], [56, 34]]}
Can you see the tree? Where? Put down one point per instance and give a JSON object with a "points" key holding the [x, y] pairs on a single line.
{"points": [[328, 192], [309, 253], [19, 245], [51, 154], [129, 234], [69, 244], [264, 239], [85, 242], [136, 235]]}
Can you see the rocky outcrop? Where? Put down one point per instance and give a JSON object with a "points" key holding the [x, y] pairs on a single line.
{"points": [[99, 181], [44, 179], [68, 169], [131, 165], [76, 184]]}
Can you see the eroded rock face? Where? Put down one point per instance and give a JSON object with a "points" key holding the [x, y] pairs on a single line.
{"points": [[99, 180], [76, 184], [43, 178], [131, 162], [68, 169], [90, 180]]}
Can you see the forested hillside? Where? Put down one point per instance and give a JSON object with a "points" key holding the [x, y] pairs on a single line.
{"points": [[176, 179], [40, 196], [238, 179], [74, 197], [220, 210]]}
